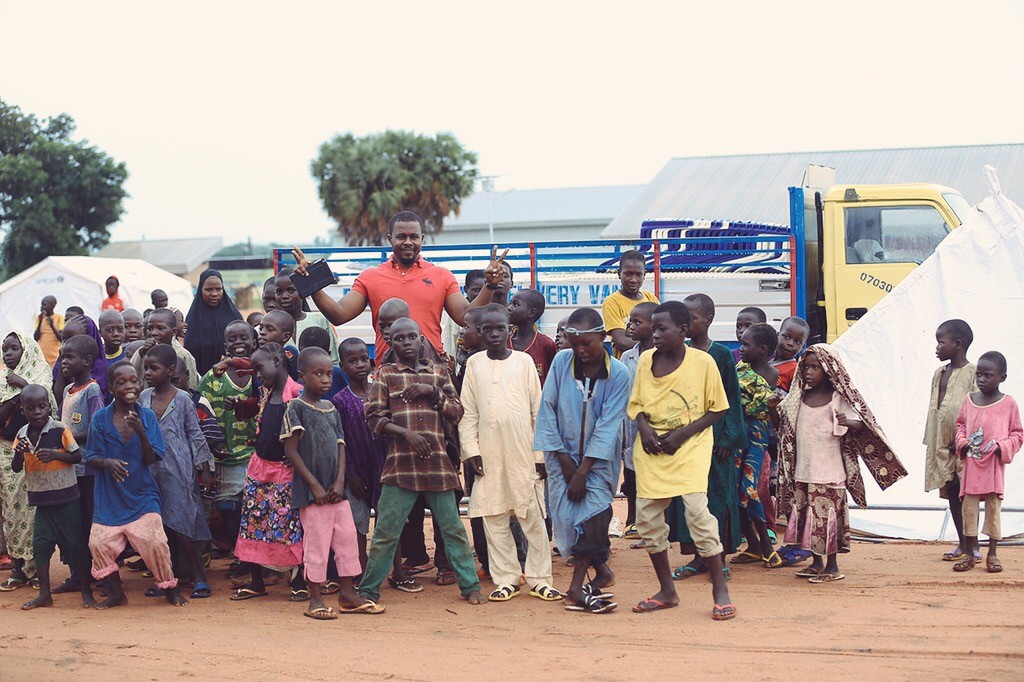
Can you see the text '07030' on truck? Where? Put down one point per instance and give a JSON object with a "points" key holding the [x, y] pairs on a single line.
{"points": [[845, 248]]}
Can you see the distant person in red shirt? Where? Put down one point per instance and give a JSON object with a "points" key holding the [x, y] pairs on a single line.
{"points": [[113, 300], [428, 289], [524, 311]]}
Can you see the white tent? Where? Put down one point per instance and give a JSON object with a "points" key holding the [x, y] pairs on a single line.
{"points": [[976, 274], [81, 281]]}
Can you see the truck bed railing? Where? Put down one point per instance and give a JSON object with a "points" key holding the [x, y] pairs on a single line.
{"points": [[694, 251]]}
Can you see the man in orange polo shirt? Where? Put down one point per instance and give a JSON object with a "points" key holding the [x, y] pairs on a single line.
{"points": [[428, 289]]}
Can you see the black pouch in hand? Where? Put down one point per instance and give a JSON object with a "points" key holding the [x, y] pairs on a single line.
{"points": [[319, 277]]}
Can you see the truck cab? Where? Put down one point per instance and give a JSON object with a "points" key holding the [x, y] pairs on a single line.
{"points": [[862, 240]]}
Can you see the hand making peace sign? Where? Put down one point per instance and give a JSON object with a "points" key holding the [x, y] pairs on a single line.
{"points": [[300, 261], [495, 273]]}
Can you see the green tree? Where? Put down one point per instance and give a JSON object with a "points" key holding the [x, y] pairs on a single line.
{"points": [[363, 181], [57, 196]]}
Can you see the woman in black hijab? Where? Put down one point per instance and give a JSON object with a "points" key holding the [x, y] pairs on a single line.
{"points": [[211, 312]]}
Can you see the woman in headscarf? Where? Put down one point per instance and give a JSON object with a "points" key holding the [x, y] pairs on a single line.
{"points": [[211, 312], [23, 364], [83, 324], [825, 427]]}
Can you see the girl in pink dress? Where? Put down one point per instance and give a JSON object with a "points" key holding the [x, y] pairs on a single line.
{"points": [[988, 435]]}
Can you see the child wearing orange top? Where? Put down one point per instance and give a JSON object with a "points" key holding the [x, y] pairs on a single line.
{"points": [[47, 451], [793, 335], [113, 300]]}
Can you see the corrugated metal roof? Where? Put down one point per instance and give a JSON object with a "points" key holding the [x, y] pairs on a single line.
{"points": [[543, 207], [753, 187], [178, 256]]}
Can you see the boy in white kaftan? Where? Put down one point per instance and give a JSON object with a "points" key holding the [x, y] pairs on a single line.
{"points": [[501, 398]]}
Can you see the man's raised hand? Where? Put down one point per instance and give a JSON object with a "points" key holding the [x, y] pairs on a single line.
{"points": [[301, 262], [495, 272]]}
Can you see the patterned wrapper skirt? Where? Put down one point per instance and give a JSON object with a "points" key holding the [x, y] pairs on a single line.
{"points": [[18, 516], [270, 533], [751, 466], [820, 519]]}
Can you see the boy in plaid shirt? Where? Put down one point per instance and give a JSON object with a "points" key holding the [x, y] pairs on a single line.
{"points": [[409, 402]]}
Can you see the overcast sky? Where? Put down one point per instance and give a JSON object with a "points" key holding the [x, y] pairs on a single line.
{"points": [[217, 108]]}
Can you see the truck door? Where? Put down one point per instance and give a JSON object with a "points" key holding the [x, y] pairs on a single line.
{"points": [[875, 246]]}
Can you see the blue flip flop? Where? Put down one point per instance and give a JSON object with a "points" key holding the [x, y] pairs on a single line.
{"points": [[684, 572], [201, 591]]}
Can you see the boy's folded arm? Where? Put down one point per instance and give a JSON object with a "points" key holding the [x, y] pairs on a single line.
{"points": [[379, 421], [448, 402], [68, 456], [378, 405]]}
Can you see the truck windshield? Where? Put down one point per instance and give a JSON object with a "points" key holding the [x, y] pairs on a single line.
{"points": [[958, 204], [892, 234]]}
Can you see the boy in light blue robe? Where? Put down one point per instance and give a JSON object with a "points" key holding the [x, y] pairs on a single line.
{"points": [[585, 394]]}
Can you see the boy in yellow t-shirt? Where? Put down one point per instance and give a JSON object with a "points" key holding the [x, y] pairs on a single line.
{"points": [[616, 308], [677, 397]]}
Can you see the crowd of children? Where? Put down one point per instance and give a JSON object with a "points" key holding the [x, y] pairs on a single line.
{"points": [[269, 442]]}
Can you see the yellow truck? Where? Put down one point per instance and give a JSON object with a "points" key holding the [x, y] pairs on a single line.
{"points": [[859, 241]]}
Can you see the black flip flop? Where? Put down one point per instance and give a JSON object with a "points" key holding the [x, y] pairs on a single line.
{"points": [[246, 592]]}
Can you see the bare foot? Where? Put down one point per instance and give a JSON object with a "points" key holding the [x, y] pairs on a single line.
{"points": [[38, 602], [88, 602], [174, 598], [721, 594], [475, 598], [112, 601], [667, 597], [350, 601], [68, 585], [604, 577]]}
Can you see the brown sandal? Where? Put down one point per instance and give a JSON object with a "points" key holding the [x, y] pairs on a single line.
{"points": [[993, 565], [965, 564]]}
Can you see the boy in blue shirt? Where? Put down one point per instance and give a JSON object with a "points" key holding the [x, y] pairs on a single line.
{"points": [[124, 440]]}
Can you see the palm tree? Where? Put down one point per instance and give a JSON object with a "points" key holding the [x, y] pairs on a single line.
{"points": [[363, 181]]}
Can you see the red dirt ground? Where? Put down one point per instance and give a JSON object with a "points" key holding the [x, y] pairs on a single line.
{"points": [[901, 613]]}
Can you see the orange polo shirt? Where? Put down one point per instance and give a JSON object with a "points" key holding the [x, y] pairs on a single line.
{"points": [[424, 286]]}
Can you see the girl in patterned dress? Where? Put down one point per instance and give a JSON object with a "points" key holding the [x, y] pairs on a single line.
{"points": [[270, 533], [824, 428], [757, 385]]}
